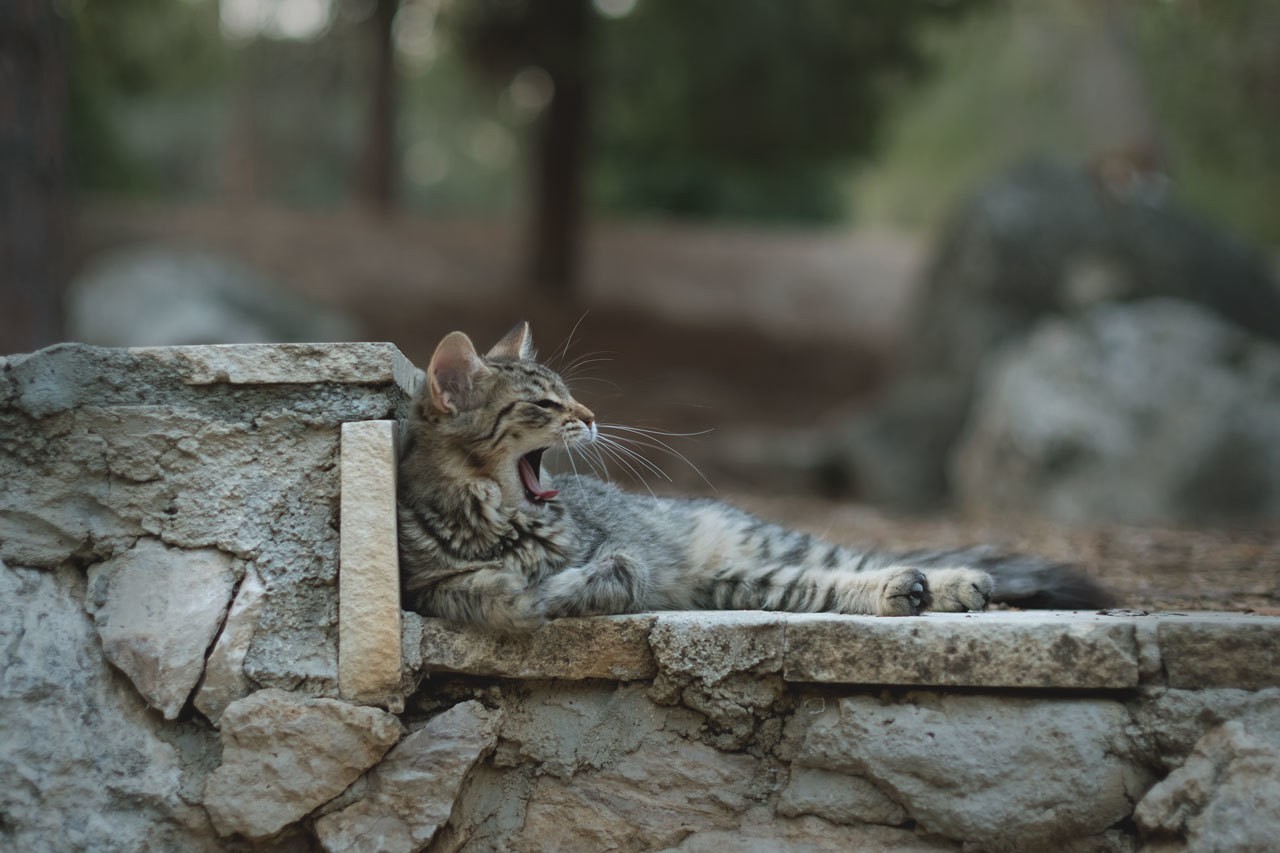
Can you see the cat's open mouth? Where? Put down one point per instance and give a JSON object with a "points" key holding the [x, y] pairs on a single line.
{"points": [[530, 468]]}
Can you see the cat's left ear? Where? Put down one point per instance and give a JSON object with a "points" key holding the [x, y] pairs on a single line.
{"points": [[517, 345]]}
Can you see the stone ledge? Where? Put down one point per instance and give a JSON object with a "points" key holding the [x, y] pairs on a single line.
{"points": [[1000, 649], [287, 364]]}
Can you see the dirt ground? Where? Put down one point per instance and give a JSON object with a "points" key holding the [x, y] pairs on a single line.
{"points": [[689, 329]]}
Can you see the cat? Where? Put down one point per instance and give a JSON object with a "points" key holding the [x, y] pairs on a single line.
{"points": [[487, 539]]}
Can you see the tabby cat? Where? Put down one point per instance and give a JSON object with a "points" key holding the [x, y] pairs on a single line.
{"points": [[485, 538]]}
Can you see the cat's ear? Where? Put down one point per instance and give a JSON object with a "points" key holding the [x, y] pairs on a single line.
{"points": [[454, 369], [517, 345]]}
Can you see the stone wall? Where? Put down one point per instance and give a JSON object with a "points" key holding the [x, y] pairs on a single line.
{"points": [[200, 649]]}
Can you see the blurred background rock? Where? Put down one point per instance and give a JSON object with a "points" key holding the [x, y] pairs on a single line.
{"points": [[839, 235]]}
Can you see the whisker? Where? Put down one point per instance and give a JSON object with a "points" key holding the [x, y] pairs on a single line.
{"points": [[656, 443], [639, 457], [564, 351], [624, 463], [656, 432]]}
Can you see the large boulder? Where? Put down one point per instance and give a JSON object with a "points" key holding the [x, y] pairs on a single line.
{"points": [[1041, 240], [1145, 412]]}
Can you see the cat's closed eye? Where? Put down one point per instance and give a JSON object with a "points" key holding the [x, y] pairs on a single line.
{"points": [[549, 404]]}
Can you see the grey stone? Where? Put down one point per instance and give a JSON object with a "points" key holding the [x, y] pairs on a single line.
{"points": [[646, 800], [709, 646], [224, 680], [614, 647], [284, 755], [157, 610], [1226, 797], [1175, 720], [994, 771], [86, 765], [103, 446], [162, 295], [1038, 241], [837, 797], [1153, 411], [996, 649], [411, 793], [1213, 650], [566, 727], [760, 831]]}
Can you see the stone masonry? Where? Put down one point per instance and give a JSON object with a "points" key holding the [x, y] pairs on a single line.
{"points": [[201, 648]]}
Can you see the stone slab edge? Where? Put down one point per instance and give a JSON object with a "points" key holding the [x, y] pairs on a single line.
{"points": [[1000, 649], [369, 624], [284, 364]]}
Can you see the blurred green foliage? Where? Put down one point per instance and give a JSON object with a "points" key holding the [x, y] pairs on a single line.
{"points": [[798, 111], [1001, 94]]}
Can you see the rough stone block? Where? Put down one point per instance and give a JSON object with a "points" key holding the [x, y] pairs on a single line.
{"points": [[410, 794], [999, 649], [369, 568], [614, 647], [1220, 650], [157, 610], [1001, 772], [224, 679], [283, 755]]}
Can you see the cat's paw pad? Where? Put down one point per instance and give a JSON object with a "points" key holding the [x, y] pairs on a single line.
{"points": [[960, 590], [904, 592]]}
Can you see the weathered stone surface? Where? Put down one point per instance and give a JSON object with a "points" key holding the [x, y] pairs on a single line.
{"points": [[369, 567], [760, 832], [997, 649], [614, 647], [102, 446], [284, 754], [711, 645], [988, 770], [1175, 720], [86, 766], [410, 794], [647, 800], [157, 610], [1155, 411], [224, 679], [287, 364], [837, 797], [1219, 650], [566, 727], [1226, 797]]}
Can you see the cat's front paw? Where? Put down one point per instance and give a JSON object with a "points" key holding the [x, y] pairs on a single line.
{"points": [[524, 613], [903, 592], [960, 590]]}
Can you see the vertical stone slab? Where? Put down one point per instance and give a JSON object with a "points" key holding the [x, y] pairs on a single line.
{"points": [[369, 568]]}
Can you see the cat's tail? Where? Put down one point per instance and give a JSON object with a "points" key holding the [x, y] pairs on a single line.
{"points": [[1022, 581]]}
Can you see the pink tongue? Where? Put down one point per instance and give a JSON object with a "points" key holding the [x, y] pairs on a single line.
{"points": [[531, 482]]}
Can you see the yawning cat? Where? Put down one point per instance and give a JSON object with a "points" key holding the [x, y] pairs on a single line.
{"points": [[485, 537]]}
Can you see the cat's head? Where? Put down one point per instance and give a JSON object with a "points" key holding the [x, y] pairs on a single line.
{"points": [[501, 411]]}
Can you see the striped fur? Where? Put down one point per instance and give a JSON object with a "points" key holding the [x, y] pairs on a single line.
{"points": [[478, 545]]}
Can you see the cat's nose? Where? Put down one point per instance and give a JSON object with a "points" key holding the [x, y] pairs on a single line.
{"points": [[586, 415]]}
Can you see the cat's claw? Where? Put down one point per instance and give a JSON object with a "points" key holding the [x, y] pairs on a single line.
{"points": [[905, 592]]}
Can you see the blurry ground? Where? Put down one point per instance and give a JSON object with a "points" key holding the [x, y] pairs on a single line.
{"points": [[760, 336]]}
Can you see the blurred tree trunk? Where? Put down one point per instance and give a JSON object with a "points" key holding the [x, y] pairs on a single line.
{"points": [[378, 170], [33, 146], [560, 152]]}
